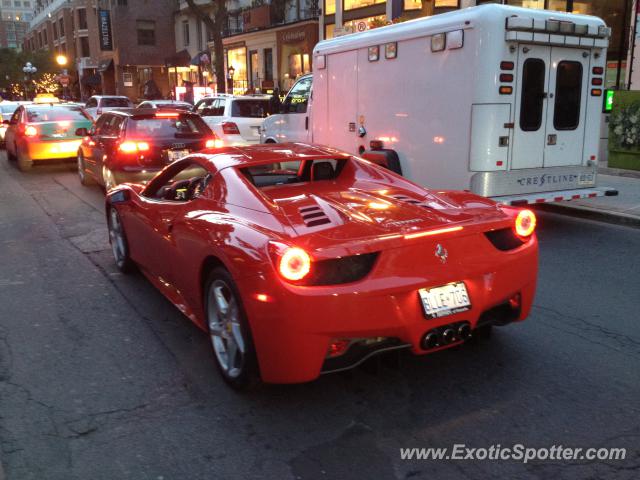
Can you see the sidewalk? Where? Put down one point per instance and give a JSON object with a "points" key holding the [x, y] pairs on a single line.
{"points": [[623, 209]]}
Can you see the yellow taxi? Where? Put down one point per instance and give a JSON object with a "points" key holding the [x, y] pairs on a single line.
{"points": [[41, 132]]}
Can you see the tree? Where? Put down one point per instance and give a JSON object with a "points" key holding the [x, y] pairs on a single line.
{"points": [[215, 23], [427, 8], [12, 78]]}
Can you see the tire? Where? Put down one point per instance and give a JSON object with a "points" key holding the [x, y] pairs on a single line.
{"points": [[229, 331], [118, 242], [24, 163], [85, 179], [108, 180]]}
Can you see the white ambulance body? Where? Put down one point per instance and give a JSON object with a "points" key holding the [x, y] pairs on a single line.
{"points": [[503, 101]]}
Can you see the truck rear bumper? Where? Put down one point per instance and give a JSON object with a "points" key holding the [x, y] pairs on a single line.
{"points": [[555, 196]]}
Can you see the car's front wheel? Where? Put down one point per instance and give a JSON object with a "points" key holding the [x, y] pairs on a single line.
{"points": [[118, 241], [229, 331], [85, 179]]}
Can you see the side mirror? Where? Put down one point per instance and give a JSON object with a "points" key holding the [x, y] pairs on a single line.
{"points": [[82, 132]]}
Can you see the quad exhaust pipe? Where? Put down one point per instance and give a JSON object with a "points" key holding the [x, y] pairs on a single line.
{"points": [[446, 335]]}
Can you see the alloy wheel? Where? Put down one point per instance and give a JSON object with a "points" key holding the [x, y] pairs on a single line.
{"points": [[116, 238], [228, 341], [107, 178]]}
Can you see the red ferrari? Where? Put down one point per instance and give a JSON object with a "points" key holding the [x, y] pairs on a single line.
{"points": [[300, 260]]}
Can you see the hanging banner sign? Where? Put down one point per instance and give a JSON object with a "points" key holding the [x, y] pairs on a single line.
{"points": [[104, 27]]}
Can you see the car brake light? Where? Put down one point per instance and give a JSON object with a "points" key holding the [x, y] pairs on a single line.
{"points": [[167, 115], [30, 131], [525, 223], [133, 147], [213, 143], [230, 128], [295, 264]]}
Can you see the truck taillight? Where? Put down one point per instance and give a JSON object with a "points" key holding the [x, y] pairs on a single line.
{"points": [[133, 147], [507, 65], [230, 128]]}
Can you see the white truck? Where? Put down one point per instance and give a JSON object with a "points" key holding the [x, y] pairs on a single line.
{"points": [[503, 101]]}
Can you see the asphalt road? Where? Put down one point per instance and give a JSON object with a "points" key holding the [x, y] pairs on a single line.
{"points": [[101, 378]]}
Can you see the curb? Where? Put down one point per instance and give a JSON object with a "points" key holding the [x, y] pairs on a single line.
{"points": [[618, 172], [617, 218]]}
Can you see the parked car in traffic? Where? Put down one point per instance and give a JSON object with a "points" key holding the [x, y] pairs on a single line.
{"points": [[41, 132], [235, 119], [7, 110], [299, 260], [131, 145], [166, 104], [98, 104]]}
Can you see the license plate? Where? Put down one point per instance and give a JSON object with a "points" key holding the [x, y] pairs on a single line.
{"points": [[445, 300], [174, 155]]}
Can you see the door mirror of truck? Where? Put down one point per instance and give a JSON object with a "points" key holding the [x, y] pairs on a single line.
{"points": [[82, 132]]}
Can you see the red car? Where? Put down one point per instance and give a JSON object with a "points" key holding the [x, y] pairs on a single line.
{"points": [[300, 260]]}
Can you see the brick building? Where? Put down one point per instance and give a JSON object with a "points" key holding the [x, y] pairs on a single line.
{"points": [[113, 46]]}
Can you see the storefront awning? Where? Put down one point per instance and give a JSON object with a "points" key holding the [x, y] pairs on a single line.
{"points": [[92, 80], [178, 59], [201, 58], [105, 64]]}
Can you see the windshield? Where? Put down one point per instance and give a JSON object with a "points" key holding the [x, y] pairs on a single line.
{"points": [[172, 127], [116, 102], [251, 108], [56, 114], [8, 108], [292, 171], [179, 106]]}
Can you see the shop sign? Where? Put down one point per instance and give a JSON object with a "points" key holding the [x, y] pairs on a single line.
{"points": [[294, 36]]}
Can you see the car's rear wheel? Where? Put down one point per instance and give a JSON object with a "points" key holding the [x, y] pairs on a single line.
{"points": [[24, 162], [82, 172], [108, 180], [229, 331], [118, 241]]}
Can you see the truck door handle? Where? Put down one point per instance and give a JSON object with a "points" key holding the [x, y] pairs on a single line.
{"points": [[306, 123], [552, 139]]}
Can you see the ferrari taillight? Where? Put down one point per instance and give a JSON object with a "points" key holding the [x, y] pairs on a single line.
{"points": [[294, 264], [525, 223], [230, 128]]}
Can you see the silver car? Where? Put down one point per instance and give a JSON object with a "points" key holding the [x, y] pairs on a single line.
{"points": [[98, 104]]}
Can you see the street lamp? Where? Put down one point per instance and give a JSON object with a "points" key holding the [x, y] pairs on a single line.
{"points": [[63, 78], [231, 71], [29, 70]]}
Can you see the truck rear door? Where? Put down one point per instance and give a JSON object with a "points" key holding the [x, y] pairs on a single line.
{"points": [[551, 94]]}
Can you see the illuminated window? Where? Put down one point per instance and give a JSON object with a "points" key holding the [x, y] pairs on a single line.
{"points": [[412, 4], [329, 7], [417, 4], [353, 4], [362, 24], [329, 30], [237, 58]]}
